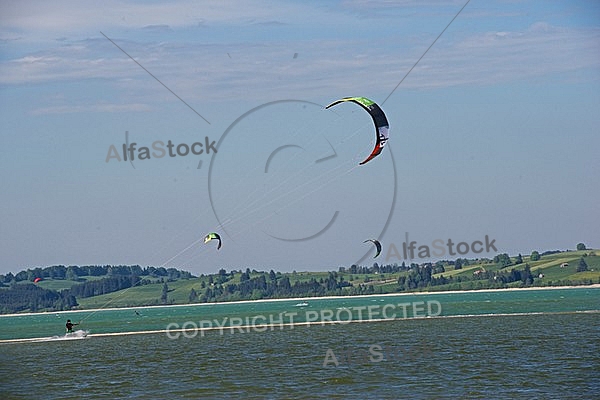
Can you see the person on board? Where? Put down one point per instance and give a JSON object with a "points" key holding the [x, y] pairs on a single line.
{"points": [[69, 325]]}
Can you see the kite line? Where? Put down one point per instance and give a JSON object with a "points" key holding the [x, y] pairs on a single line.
{"points": [[430, 46]]}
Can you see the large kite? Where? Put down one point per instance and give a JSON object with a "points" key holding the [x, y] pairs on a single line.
{"points": [[377, 245], [381, 123], [213, 236]]}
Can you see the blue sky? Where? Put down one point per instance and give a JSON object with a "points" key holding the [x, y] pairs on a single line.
{"points": [[494, 132]]}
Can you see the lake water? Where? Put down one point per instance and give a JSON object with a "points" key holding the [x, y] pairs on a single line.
{"points": [[499, 344]]}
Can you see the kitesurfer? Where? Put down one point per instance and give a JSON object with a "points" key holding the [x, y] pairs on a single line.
{"points": [[70, 326]]}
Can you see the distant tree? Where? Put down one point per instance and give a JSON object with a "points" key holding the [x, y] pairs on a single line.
{"points": [[193, 296], [526, 276], [285, 285], [9, 278], [519, 259], [165, 293], [71, 274], [458, 264], [582, 266], [535, 256], [54, 272], [581, 246], [503, 260], [222, 277], [136, 270], [30, 275], [21, 276]]}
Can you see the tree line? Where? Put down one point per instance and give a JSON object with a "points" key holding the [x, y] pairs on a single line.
{"points": [[30, 297], [77, 273], [267, 286], [18, 294]]}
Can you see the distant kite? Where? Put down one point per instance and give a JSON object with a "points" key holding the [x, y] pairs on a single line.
{"points": [[36, 280], [213, 236], [381, 123], [377, 245]]}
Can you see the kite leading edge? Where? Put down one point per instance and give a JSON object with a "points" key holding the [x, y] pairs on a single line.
{"points": [[379, 119]]}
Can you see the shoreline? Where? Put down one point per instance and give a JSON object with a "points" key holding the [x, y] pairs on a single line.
{"points": [[94, 310]]}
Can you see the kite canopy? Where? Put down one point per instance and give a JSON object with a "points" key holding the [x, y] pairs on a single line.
{"points": [[379, 119], [213, 236], [377, 245], [36, 280]]}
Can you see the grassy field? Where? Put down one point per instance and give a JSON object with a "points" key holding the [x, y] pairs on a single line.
{"points": [[179, 292], [60, 284], [549, 266]]}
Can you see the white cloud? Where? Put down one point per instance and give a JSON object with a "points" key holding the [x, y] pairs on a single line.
{"points": [[108, 108], [268, 70], [60, 16], [162, 28], [500, 57]]}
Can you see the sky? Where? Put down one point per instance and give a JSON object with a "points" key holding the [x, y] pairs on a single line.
{"points": [[493, 134]]}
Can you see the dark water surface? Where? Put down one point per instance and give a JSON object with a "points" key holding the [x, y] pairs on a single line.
{"points": [[546, 355], [537, 356]]}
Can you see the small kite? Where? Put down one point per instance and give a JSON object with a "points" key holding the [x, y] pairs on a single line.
{"points": [[213, 236], [36, 280], [377, 245], [381, 123]]}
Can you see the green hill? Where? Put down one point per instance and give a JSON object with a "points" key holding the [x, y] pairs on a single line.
{"points": [[178, 287], [546, 272]]}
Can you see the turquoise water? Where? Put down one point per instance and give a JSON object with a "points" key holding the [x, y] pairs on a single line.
{"points": [[288, 312], [526, 344]]}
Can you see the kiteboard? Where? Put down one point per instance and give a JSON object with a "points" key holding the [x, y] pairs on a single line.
{"points": [[78, 334]]}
